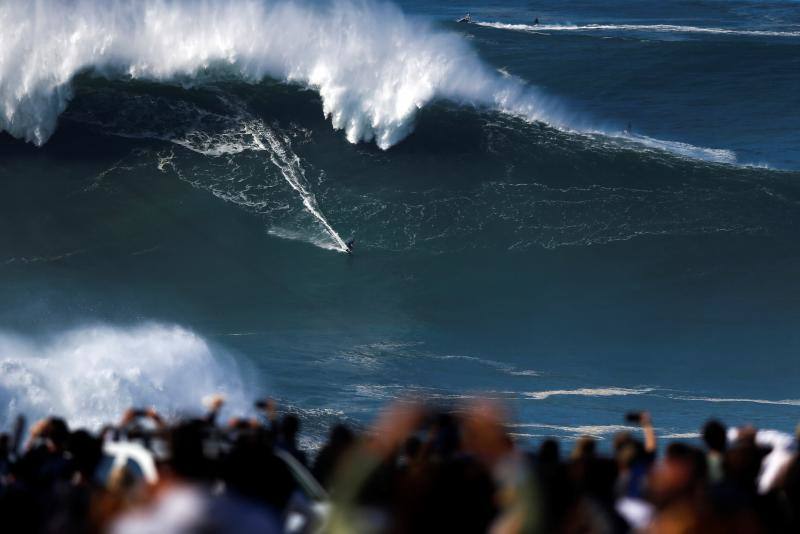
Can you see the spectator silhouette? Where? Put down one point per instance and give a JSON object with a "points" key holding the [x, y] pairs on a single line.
{"points": [[288, 430]]}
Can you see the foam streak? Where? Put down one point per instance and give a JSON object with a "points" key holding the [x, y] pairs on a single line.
{"points": [[292, 172], [588, 392]]}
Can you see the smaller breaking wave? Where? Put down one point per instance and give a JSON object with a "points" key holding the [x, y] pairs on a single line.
{"points": [[90, 375], [782, 402], [656, 28]]}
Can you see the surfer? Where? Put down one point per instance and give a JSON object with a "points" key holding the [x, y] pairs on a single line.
{"points": [[349, 245], [536, 21], [466, 19]]}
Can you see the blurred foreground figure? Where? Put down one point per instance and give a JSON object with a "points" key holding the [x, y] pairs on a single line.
{"points": [[425, 470], [188, 497], [191, 509], [419, 468]]}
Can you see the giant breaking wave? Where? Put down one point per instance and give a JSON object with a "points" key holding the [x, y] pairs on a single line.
{"points": [[372, 66]]}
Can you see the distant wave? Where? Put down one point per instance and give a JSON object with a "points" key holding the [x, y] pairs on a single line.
{"points": [[588, 392], [619, 391], [596, 431], [91, 375], [784, 402], [659, 28]]}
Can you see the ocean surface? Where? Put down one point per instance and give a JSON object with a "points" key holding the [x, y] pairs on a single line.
{"points": [[590, 215]]}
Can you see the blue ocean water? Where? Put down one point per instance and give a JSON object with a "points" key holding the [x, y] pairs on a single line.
{"points": [[590, 215]]}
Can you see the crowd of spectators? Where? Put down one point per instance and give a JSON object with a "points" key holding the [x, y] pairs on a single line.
{"points": [[417, 469]]}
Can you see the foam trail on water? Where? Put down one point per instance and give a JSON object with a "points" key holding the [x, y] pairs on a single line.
{"points": [[597, 431], [218, 135], [719, 155], [90, 375], [292, 171]]}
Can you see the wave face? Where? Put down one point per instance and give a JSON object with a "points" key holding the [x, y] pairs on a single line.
{"points": [[90, 375], [372, 66]]}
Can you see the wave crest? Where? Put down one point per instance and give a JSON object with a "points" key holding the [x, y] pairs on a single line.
{"points": [[372, 66]]}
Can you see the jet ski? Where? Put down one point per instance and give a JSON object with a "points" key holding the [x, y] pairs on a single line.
{"points": [[466, 19]]}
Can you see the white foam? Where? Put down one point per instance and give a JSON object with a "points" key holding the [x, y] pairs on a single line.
{"points": [[91, 375], [588, 392], [292, 171], [783, 402], [658, 28], [300, 235], [719, 155]]}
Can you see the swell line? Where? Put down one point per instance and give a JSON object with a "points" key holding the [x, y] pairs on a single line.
{"points": [[659, 28]]}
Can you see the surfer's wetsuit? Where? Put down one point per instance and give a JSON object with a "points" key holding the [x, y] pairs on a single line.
{"points": [[350, 244]]}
